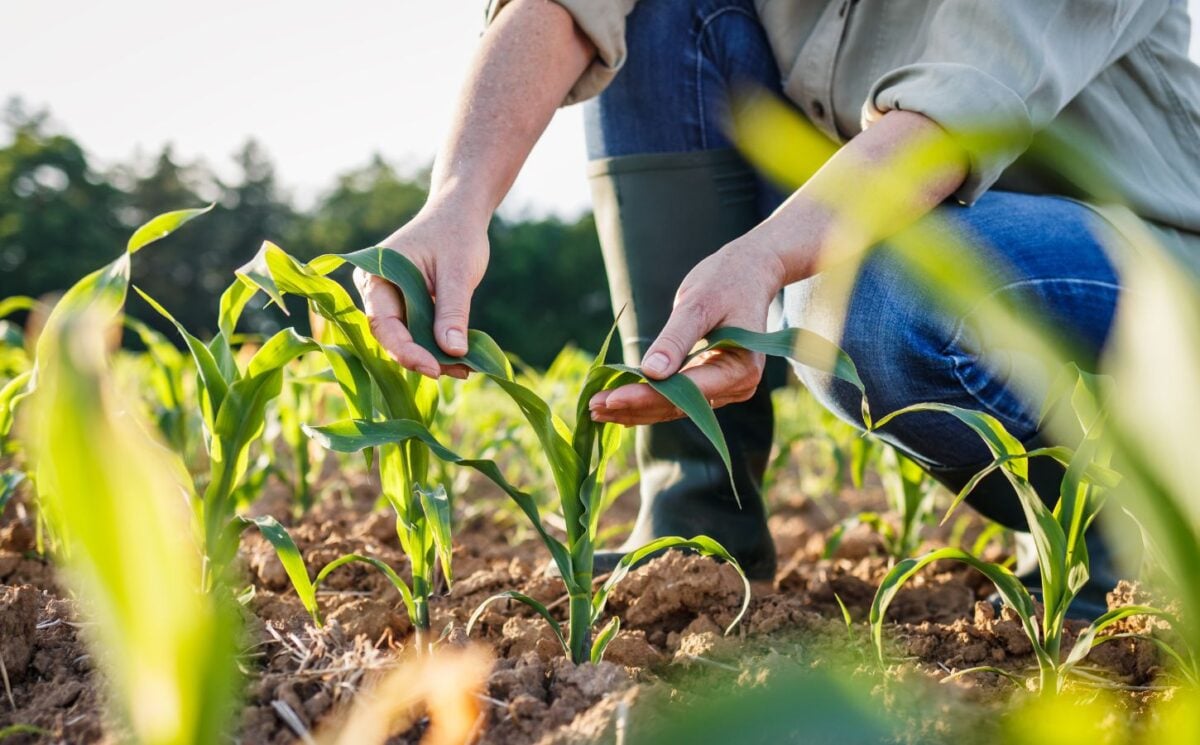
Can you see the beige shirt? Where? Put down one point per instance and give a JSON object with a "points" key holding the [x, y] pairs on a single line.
{"points": [[1116, 71]]}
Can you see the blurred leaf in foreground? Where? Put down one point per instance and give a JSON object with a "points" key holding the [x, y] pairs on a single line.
{"points": [[131, 558]]}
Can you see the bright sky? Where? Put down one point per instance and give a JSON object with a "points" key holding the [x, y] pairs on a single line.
{"points": [[322, 85]]}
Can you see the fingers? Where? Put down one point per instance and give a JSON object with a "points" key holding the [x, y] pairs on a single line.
{"points": [[686, 326], [451, 311], [724, 377], [385, 313], [459, 372]]}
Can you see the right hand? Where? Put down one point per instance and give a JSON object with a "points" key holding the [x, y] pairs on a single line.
{"points": [[452, 253]]}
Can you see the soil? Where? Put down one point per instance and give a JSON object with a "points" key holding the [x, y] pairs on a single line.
{"points": [[671, 646]]}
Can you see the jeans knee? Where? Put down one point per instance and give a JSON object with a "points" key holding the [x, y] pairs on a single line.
{"points": [[885, 328]]}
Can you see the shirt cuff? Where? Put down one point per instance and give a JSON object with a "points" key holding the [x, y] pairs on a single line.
{"points": [[986, 117], [604, 24]]}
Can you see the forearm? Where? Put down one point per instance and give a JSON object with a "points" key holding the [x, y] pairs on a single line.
{"points": [[526, 62], [877, 184]]}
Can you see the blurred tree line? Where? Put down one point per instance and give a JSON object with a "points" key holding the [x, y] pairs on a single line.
{"points": [[61, 217]]}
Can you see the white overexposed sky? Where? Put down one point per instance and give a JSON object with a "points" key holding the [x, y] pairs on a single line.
{"points": [[322, 85]]}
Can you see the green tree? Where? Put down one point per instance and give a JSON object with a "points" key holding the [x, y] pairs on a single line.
{"points": [[58, 217]]}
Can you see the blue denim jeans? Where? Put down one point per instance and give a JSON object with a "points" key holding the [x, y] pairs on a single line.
{"points": [[685, 57]]}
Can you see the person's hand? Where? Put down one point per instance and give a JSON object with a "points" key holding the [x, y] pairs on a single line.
{"points": [[451, 251], [733, 287]]}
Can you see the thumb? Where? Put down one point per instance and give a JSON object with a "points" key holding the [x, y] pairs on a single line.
{"points": [[684, 328], [451, 312]]}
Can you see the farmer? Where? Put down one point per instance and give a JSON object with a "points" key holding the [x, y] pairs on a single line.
{"points": [[693, 239]]}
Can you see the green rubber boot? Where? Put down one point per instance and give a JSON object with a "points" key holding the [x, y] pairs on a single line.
{"points": [[658, 216]]}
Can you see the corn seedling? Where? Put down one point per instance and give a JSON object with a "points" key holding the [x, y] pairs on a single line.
{"points": [[1058, 536], [909, 492], [578, 456], [234, 405], [126, 540], [374, 387]]}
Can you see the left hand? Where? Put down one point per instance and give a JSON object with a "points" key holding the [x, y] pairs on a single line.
{"points": [[732, 287]]}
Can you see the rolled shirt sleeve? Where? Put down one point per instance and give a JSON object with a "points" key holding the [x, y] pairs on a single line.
{"points": [[602, 21], [995, 72]]}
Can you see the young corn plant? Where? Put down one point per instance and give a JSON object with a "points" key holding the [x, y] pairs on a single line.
{"points": [[909, 492], [127, 548], [1058, 535], [578, 456], [102, 295], [374, 388], [233, 403]]}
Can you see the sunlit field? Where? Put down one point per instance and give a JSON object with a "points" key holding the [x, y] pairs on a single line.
{"points": [[228, 515]]}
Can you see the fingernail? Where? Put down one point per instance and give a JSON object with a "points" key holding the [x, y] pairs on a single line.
{"points": [[615, 403], [656, 363], [456, 340]]}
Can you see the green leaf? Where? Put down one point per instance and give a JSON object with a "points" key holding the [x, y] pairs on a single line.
{"points": [[161, 226], [15, 303], [13, 730], [520, 598], [233, 302], [988, 427], [984, 669], [12, 394], [276, 273], [290, 558], [350, 436], [436, 506], [127, 548], [1048, 536], [685, 396], [701, 544], [846, 618], [215, 384], [1010, 588], [405, 593], [1087, 638], [798, 345], [352, 378], [602, 640], [9, 481]]}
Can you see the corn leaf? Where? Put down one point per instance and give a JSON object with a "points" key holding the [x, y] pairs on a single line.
{"points": [[161, 226], [685, 396], [1087, 638], [525, 599], [353, 435], [352, 378], [167, 649], [10, 395], [290, 558], [387, 571], [240, 421], [276, 273], [436, 506], [483, 354], [1048, 535], [1010, 588], [212, 379], [603, 638], [989, 429], [15, 303], [800, 346], [701, 544]]}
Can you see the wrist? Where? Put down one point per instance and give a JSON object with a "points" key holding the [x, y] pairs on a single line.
{"points": [[461, 205], [758, 256]]}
